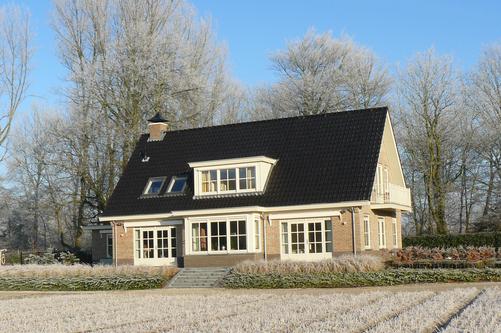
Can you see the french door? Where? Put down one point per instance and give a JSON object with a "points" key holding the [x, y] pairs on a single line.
{"points": [[155, 246], [306, 240]]}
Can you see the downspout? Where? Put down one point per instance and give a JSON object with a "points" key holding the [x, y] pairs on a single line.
{"points": [[353, 230], [264, 235], [115, 243]]}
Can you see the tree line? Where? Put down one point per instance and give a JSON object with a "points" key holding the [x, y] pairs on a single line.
{"points": [[125, 60]]}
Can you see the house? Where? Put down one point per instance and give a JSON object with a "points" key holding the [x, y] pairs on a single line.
{"points": [[300, 188]]}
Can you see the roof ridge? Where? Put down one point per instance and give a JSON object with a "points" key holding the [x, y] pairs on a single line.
{"points": [[328, 114]]}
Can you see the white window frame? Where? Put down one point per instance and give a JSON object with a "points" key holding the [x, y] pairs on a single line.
{"points": [[306, 255], [367, 232], [394, 232], [151, 180], [173, 180], [381, 228], [379, 179], [257, 234], [199, 181], [154, 261], [249, 229], [109, 238], [258, 170], [247, 178]]}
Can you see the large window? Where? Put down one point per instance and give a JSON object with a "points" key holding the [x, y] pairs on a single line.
{"points": [[367, 232], [394, 232], [154, 186], [228, 180], [199, 237], [155, 243], [218, 236], [300, 239], [381, 233], [109, 245], [221, 235], [238, 235]]}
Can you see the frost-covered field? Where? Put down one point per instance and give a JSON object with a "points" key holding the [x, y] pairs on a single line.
{"points": [[266, 311]]}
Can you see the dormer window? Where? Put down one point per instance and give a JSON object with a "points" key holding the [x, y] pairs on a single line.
{"points": [[177, 184], [232, 176], [154, 186], [209, 181], [227, 180], [247, 178]]}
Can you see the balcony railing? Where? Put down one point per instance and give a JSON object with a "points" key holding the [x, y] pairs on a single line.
{"points": [[394, 194]]}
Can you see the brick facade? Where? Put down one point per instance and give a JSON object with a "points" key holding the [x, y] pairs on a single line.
{"points": [[342, 239]]}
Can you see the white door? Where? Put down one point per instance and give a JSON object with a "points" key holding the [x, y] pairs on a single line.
{"points": [[155, 246]]}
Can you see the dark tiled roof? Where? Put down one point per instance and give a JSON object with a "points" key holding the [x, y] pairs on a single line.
{"points": [[321, 159]]}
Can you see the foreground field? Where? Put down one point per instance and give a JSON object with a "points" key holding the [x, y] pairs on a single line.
{"points": [[451, 310]]}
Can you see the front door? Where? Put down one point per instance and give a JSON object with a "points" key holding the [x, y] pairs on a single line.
{"points": [[306, 239], [155, 246]]}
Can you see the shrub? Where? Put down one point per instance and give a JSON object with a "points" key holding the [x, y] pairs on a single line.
{"points": [[359, 279], [457, 264], [344, 263], [489, 239], [82, 277], [412, 253]]}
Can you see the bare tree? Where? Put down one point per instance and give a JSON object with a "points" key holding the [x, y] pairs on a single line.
{"points": [[319, 74], [428, 96], [484, 98], [15, 56]]}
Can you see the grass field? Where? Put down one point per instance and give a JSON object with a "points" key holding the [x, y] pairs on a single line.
{"points": [[468, 309]]}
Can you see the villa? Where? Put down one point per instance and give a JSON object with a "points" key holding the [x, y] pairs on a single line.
{"points": [[300, 188]]}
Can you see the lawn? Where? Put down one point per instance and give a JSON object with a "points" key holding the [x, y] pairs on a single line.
{"points": [[453, 310]]}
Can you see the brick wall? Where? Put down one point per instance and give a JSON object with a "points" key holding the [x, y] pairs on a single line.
{"points": [[123, 244]]}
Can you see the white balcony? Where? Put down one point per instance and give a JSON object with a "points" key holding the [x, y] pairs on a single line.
{"points": [[394, 195]]}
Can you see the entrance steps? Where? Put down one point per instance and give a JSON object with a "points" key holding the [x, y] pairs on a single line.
{"points": [[203, 277]]}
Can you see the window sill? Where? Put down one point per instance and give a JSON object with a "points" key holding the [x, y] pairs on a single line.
{"points": [[227, 195]]}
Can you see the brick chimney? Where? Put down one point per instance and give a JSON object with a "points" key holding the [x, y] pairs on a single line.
{"points": [[157, 126]]}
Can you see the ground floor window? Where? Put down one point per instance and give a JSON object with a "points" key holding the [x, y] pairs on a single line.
{"points": [[109, 245], [219, 235], [257, 234], [306, 237], [381, 233], [367, 232], [155, 243]]}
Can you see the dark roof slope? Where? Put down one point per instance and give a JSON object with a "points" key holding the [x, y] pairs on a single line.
{"points": [[324, 158]]}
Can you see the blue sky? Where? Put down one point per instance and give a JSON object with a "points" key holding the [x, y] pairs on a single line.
{"points": [[254, 29]]}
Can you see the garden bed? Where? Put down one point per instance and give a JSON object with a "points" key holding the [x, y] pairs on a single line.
{"points": [[82, 277]]}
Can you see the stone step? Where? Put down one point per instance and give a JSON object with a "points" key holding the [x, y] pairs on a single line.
{"points": [[198, 277]]}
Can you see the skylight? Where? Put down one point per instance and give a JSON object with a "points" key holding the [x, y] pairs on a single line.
{"points": [[177, 184], [154, 186]]}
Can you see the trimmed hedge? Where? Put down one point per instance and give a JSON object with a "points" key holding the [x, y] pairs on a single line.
{"points": [[455, 264], [84, 283], [387, 277], [477, 239]]}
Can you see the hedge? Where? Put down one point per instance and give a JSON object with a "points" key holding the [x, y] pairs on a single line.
{"points": [[387, 277], [85, 283], [455, 264], [477, 239]]}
